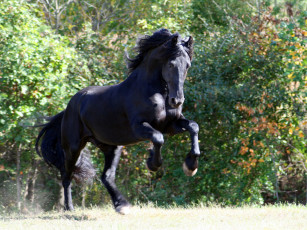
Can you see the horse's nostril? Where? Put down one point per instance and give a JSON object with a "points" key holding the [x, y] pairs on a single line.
{"points": [[175, 103]]}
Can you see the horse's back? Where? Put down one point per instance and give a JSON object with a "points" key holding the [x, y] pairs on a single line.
{"points": [[73, 129], [98, 112]]}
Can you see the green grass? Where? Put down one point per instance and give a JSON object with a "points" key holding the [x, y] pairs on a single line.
{"points": [[148, 217]]}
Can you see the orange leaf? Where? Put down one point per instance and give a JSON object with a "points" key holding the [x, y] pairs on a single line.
{"points": [[243, 150]]}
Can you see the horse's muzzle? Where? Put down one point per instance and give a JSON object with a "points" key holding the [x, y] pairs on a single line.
{"points": [[175, 102]]}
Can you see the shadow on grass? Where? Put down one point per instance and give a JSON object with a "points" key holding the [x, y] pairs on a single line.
{"points": [[59, 216]]}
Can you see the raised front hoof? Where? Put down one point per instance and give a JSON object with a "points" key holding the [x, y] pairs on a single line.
{"points": [[150, 167], [187, 171], [123, 209]]}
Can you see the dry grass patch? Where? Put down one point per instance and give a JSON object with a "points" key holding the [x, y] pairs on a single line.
{"points": [[269, 217]]}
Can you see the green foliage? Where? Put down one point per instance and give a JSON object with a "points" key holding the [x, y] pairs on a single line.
{"points": [[219, 12], [246, 89], [34, 64], [39, 72], [246, 107]]}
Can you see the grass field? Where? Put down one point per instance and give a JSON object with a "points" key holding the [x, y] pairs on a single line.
{"points": [[268, 217]]}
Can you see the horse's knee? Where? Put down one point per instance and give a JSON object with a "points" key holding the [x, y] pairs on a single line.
{"points": [[194, 127], [158, 138]]}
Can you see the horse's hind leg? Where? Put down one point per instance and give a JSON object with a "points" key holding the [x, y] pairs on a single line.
{"points": [[66, 182], [112, 155], [72, 153]]}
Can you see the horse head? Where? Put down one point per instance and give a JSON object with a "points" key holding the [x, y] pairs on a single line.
{"points": [[166, 51], [175, 68]]}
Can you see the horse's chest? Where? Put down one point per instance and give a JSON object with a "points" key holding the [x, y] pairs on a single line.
{"points": [[160, 111], [158, 107]]}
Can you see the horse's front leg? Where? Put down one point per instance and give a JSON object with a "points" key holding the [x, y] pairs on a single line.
{"points": [[181, 125], [145, 131]]}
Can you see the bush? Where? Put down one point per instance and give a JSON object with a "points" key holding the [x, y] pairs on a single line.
{"points": [[39, 72], [241, 92]]}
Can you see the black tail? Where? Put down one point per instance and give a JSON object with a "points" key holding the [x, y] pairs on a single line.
{"points": [[53, 153]]}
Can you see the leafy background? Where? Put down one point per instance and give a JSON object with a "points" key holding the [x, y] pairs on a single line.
{"points": [[246, 89]]}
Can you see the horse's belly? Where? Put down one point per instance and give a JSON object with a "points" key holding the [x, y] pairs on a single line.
{"points": [[113, 131], [118, 138]]}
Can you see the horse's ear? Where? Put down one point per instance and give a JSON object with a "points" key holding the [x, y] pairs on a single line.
{"points": [[175, 39], [189, 42]]}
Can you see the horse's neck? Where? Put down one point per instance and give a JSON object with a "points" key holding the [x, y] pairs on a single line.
{"points": [[150, 79], [150, 71], [147, 77]]}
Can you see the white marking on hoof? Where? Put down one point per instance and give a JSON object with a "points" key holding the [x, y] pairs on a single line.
{"points": [[124, 210], [187, 171]]}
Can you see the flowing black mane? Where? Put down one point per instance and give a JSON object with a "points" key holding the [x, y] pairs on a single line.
{"points": [[147, 43]]}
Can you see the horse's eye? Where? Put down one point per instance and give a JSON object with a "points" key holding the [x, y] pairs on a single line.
{"points": [[171, 65]]}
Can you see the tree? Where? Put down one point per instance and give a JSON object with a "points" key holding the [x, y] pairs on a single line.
{"points": [[39, 72]]}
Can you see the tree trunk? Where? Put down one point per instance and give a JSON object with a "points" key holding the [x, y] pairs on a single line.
{"points": [[276, 178], [31, 183], [83, 196], [18, 177]]}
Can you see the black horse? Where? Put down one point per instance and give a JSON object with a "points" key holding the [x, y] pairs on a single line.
{"points": [[145, 106]]}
